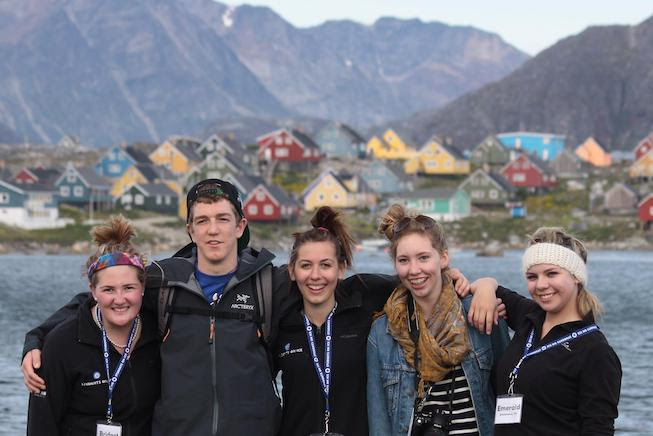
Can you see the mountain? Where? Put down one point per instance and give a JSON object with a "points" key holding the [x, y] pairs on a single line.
{"points": [[598, 83], [125, 70]]}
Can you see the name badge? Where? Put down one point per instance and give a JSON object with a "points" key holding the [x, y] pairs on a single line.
{"points": [[104, 428], [509, 409]]}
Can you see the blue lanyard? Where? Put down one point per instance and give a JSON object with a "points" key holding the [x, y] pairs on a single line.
{"points": [[113, 381], [323, 375], [542, 348]]}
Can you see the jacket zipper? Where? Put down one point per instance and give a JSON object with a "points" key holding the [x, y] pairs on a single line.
{"points": [[214, 428]]}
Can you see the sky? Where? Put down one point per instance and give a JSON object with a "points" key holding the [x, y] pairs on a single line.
{"points": [[529, 25]]}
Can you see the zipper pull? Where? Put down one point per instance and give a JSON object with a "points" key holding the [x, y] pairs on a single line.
{"points": [[212, 320]]}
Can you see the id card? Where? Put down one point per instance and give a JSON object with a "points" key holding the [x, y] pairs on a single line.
{"points": [[509, 409], [104, 428]]}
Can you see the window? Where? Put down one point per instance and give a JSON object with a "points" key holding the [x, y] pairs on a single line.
{"points": [[78, 191], [4, 197], [159, 200], [307, 152], [320, 197], [260, 196], [335, 197], [70, 177], [127, 198], [519, 177], [139, 199], [494, 194], [478, 194], [114, 168], [281, 152], [518, 143], [64, 191], [268, 209], [278, 140], [252, 209], [167, 199], [545, 154], [288, 141]]}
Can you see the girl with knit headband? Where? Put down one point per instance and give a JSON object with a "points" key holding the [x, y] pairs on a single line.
{"points": [[559, 375], [101, 367]]}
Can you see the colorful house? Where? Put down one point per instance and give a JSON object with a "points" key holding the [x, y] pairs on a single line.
{"points": [[386, 177], [391, 144], [527, 171], [37, 175], [227, 146], [29, 206], [436, 158], [591, 151], [567, 165], [545, 145], [338, 191], [440, 204], [643, 146], [487, 188], [84, 187], [620, 199], [642, 168], [490, 152], [153, 197], [118, 159], [645, 208], [178, 154], [340, 140], [289, 146], [144, 173], [264, 202]]}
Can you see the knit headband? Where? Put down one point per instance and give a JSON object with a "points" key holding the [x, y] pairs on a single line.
{"points": [[114, 259], [558, 255]]}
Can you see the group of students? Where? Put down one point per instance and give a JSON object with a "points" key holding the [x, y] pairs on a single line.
{"points": [[191, 345]]}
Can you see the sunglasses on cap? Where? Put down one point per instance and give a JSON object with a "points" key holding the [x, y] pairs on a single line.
{"points": [[214, 188], [425, 221]]}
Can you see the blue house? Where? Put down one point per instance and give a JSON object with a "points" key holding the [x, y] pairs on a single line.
{"points": [[545, 145], [118, 159], [339, 140], [29, 206], [386, 177], [84, 187]]}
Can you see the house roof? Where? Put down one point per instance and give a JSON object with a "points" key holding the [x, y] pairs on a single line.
{"points": [[156, 189], [189, 150], [137, 155], [625, 186], [431, 193], [152, 172], [304, 139], [92, 178]]}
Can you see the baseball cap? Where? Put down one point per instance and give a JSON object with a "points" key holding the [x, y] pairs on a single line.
{"points": [[218, 188]]}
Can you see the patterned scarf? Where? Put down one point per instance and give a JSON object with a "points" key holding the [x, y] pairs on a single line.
{"points": [[439, 353]]}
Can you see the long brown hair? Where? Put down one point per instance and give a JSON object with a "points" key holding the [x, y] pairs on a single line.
{"points": [[114, 236], [588, 303]]}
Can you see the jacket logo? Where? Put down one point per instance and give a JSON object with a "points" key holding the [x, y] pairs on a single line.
{"points": [[242, 298], [287, 350], [241, 302]]}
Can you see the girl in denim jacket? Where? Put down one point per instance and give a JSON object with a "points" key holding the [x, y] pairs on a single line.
{"points": [[428, 372]]}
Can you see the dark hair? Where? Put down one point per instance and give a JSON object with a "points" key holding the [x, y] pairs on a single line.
{"points": [[327, 226], [588, 303], [398, 222], [114, 236]]}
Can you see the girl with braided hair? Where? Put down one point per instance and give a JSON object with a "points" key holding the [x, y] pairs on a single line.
{"points": [[102, 366]]}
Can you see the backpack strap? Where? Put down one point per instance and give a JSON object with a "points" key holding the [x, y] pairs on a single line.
{"points": [[165, 298], [264, 294]]}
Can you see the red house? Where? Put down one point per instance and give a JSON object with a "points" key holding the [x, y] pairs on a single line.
{"points": [[44, 176], [527, 171], [646, 211], [287, 146], [264, 202], [644, 146]]}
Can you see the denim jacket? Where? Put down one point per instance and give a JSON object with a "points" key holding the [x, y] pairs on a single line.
{"points": [[391, 381]]}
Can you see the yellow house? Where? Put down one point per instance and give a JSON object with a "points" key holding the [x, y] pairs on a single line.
{"points": [[592, 152], [177, 153], [642, 167], [329, 189], [390, 146], [436, 158]]}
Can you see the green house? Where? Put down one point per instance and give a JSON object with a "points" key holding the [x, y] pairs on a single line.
{"points": [[439, 203]]}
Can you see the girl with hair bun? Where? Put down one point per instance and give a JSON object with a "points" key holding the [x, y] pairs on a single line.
{"points": [[428, 372], [559, 372], [101, 367]]}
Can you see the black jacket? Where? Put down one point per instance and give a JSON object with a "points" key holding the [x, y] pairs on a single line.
{"points": [[74, 371], [568, 390], [358, 297]]}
